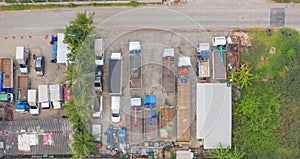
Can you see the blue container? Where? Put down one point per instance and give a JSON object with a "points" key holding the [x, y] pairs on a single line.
{"points": [[54, 38], [54, 55], [150, 99], [54, 47]]}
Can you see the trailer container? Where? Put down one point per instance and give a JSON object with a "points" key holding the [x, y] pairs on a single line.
{"points": [[23, 86], [135, 71], [115, 74], [183, 100], [56, 95], [99, 52], [32, 101]]}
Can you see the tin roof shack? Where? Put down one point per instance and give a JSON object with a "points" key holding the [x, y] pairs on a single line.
{"points": [[136, 121], [166, 123], [183, 100], [168, 76], [135, 65], [150, 119], [6, 75], [214, 115], [56, 95], [36, 137], [115, 74]]}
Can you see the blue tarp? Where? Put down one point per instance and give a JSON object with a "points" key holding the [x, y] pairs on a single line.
{"points": [[150, 99], [122, 135], [54, 38]]}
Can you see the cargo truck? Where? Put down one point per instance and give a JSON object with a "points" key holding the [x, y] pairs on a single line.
{"points": [[6, 75], [98, 78], [43, 97], [168, 76], [150, 119], [136, 120], [115, 109], [135, 65], [99, 52], [115, 74], [32, 101], [23, 58], [202, 68], [23, 86]]}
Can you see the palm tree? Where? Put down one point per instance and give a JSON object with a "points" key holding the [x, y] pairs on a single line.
{"points": [[242, 76], [84, 22], [83, 144], [220, 153], [236, 154]]}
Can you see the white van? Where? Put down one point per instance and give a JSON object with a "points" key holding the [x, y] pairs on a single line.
{"points": [[115, 109]]}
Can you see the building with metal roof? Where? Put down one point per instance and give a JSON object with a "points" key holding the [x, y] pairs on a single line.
{"points": [[35, 137], [214, 114]]}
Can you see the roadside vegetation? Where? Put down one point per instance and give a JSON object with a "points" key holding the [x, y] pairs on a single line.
{"points": [[266, 121], [287, 1], [79, 77], [29, 6]]}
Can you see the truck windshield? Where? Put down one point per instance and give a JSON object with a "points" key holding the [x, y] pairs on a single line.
{"points": [[115, 115], [33, 107], [97, 84]]}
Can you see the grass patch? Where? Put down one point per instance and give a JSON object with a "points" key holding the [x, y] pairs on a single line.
{"points": [[266, 121], [26, 6]]}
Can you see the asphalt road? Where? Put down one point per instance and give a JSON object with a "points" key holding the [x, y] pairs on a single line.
{"points": [[195, 15]]}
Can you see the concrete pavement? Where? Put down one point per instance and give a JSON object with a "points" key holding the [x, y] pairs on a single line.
{"points": [[194, 15]]}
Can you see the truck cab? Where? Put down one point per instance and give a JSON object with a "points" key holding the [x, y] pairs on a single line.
{"points": [[115, 109], [7, 97]]}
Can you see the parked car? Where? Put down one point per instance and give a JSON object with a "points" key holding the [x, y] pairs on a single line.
{"points": [[39, 65]]}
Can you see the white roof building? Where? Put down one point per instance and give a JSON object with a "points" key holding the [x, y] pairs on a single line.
{"points": [[214, 114], [62, 49]]}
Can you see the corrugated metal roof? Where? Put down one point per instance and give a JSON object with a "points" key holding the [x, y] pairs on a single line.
{"points": [[115, 77], [60, 131], [214, 114]]}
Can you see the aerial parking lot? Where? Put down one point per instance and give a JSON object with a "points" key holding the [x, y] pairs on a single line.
{"points": [[53, 73], [170, 80]]}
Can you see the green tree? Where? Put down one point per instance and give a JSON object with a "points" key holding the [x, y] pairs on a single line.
{"points": [[242, 76], [83, 144]]}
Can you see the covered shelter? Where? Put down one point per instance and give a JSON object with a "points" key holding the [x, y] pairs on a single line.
{"points": [[214, 120], [62, 49]]}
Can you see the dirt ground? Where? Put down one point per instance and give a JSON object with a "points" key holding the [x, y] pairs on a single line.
{"points": [[38, 45]]}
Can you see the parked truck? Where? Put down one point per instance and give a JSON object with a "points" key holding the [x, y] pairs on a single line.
{"points": [[23, 59], [115, 109], [98, 78], [97, 132], [202, 68], [97, 108], [43, 97], [6, 80], [168, 76], [115, 74], [150, 119], [183, 100], [135, 65], [99, 52], [23, 86], [136, 120], [56, 95], [32, 101]]}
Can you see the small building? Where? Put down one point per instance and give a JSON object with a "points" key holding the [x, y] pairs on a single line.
{"points": [[214, 119], [184, 154]]}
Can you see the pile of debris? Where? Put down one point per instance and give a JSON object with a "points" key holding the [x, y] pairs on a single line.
{"points": [[244, 38]]}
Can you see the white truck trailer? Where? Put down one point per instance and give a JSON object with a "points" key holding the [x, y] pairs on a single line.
{"points": [[22, 57], [32, 101], [56, 95]]}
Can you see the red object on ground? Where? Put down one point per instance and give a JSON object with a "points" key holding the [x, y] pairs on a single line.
{"points": [[30, 36], [13, 37], [5, 38], [22, 37], [66, 94], [46, 36]]}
